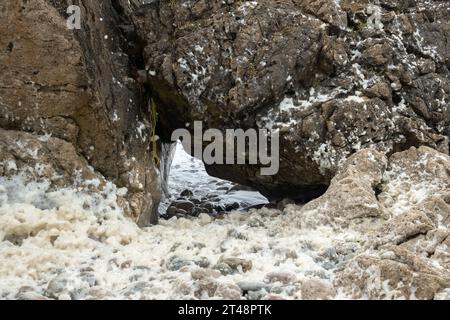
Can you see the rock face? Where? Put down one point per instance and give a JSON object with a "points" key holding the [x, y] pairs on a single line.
{"points": [[402, 206], [333, 76], [77, 87]]}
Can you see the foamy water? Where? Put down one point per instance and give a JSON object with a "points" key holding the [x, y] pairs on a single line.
{"points": [[72, 245], [189, 173]]}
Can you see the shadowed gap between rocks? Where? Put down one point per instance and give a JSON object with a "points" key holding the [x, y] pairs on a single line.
{"points": [[188, 190]]}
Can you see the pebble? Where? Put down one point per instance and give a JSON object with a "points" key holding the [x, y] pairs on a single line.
{"points": [[228, 291], [236, 263], [202, 273], [175, 263], [253, 286], [283, 277]]}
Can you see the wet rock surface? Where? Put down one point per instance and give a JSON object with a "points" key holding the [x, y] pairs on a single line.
{"points": [[77, 86]]}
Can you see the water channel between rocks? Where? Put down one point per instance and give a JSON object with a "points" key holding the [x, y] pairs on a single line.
{"points": [[188, 181]]}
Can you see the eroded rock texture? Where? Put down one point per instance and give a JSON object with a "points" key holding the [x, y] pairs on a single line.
{"points": [[77, 87], [401, 206], [333, 76]]}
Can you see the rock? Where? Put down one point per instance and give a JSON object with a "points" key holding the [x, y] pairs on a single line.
{"points": [[400, 207], [30, 296], [378, 54], [202, 273], [138, 290], [205, 288], [256, 295], [77, 88], [176, 263], [232, 206], [219, 208], [239, 187], [286, 290], [228, 291], [234, 233], [224, 268], [358, 177], [247, 286], [186, 193], [273, 297], [426, 66], [185, 205], [202, 262], [208, 206], [198, 211], [171, 212], [99, 293], [283, 277], [317, 289], [322, 72], [63, 286], [397, 275], [181, 213], [237, 264]]}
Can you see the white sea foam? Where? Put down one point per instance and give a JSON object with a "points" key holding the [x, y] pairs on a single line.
{"points": [[83, 242]]}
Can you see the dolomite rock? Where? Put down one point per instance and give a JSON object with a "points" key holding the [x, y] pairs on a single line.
{"points": [[333, 76], [76, 86]]}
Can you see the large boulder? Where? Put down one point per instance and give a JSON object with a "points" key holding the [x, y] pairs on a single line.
{"points": [[76, 86], [399, 210], [333, 76]]}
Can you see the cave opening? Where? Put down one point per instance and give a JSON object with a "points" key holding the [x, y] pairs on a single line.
{"points": [[188, 190]]}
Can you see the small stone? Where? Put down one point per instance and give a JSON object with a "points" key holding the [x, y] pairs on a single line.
{"points": [[202, 273], [185, 205], [233, 206], [199, 210], [205, 288], [256, 295], [57, 286], [186, 193], [237, 263], [228, 291], [202, 262], [426, 66], [224, 268], [171, 212], [208, 206], [247, 286], [283, 277], [29, 295], [233, 233], [175, 263]]}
